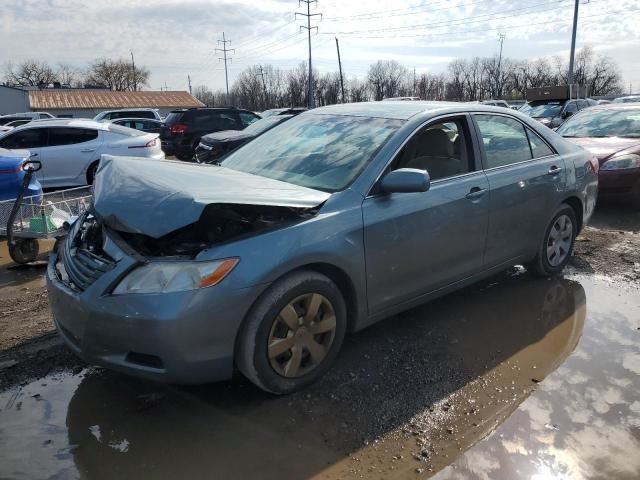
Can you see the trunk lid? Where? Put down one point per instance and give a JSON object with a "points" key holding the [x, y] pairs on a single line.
{"points": [[154, 198]]}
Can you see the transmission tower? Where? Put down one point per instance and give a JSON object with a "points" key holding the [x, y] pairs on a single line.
{"points": [[224, 51], [308, 28]]}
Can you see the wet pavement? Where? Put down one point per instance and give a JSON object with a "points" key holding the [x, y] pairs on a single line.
{"points": [[553, 366]]}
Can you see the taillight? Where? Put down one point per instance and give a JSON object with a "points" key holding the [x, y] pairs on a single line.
{"points": [[149, 144], [178, 128], [594, 164]]}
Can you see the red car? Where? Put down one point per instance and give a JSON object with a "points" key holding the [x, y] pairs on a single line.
{"points": [[612, 133]]}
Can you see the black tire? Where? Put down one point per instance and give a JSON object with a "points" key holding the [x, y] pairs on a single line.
{"points": [[541, 265], [252, 354], [24, 250], [91, 172]]}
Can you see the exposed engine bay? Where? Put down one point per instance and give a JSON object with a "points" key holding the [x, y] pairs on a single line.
{"points": [[218, 223]]}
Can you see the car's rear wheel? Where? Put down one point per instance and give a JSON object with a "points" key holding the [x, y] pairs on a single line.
{"points": [[91, 172], [293, 333], [555, 250]]}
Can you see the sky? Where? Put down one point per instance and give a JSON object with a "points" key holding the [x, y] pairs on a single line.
{"points": [[177, 38]]}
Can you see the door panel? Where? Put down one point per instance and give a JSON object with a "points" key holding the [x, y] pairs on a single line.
{"points": [[69, 153], [419, 242]]}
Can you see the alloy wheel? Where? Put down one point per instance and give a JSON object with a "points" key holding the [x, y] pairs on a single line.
{"points": [[559, 240], [301, 335]]}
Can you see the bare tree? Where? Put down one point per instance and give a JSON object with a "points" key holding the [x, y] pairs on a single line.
{"points": [[30, 72], [358, 91], [386, 78], [204, 94], [69, 75], [117, 74]]}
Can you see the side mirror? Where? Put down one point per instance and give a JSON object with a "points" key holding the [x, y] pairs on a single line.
{"points": [[406, 180]]}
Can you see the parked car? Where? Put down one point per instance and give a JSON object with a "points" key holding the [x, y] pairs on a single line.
{"points": [[12, 173], [214, 146], [183, 129], [496, 103], [128, 113], [22, 115], [627, 99], [13, 124], [70, 149], [337, 218], [282, 111], [143, 124], [553, 113], [612, 133], [603, 102]]}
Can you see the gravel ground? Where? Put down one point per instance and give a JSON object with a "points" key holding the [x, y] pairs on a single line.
{"points": [[29, 347]]}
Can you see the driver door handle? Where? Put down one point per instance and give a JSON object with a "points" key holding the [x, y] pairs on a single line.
{"points": [[87, 150], [476, 192], [554, 170]]}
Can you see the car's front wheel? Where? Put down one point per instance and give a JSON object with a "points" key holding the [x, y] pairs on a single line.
{"points": [[293, 333], [555, 251]]}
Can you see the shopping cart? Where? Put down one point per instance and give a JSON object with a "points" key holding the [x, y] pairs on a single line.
{"points": [[25, 220]]}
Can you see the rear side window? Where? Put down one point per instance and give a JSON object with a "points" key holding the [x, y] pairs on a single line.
{"points": [[247, 118], [29, 138], [504, 139], [138, 114], [70, 136], [214, 120], [173, 117], [539, 147]]}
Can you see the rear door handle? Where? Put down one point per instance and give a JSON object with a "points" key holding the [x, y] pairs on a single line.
{"points": [[476, 192], [554, 170], [87, 150]]}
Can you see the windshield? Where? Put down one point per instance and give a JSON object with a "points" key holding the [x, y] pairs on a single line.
{"points": [[603, 123], [324, 152], [264, 124], [545, 110]]}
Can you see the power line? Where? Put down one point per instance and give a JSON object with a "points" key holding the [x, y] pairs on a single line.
{"points": [[224, 51], [308, 28]]}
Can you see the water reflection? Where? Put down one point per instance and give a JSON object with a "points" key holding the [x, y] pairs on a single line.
{"points": [[459, 348]]}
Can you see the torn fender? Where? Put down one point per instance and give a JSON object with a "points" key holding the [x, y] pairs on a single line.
{"points": [[157, 197]]}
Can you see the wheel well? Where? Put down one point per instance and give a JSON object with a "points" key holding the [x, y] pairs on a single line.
{"points": [[576, 204], [344, 283], [89, 168]]}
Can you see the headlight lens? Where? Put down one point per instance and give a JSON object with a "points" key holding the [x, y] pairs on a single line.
{"points": [[622, 162], [165, 277]]}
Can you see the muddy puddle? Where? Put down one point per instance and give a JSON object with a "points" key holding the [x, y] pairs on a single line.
{"points": [[551, 367]]}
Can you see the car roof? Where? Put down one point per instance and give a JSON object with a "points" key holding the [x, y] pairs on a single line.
{"points": [[614, 106], [114, 120], [66, 122], [398, 110]]}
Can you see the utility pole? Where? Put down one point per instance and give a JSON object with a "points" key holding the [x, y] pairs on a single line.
{"points": [[189, 80], [573, 42], [264, 87], [501, 37], [165, 88], [308, 28], [224, 51], [133, 71], [414, 80], [340, 68]]}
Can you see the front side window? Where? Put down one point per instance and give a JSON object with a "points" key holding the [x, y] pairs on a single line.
{"points": [[69, 136], [504, 139], [325, 152], [29, 138], [441, 149]]}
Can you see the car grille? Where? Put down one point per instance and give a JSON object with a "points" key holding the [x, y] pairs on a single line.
{"points": [[80, 258]]}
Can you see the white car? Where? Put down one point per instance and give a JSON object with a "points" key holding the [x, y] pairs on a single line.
{"points": [[70, 150], [151, 113]]}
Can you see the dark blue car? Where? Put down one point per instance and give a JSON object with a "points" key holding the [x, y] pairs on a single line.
{"points": [[12, 173]]}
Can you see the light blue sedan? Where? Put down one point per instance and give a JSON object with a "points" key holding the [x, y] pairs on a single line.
{"points": [[331, 221]]}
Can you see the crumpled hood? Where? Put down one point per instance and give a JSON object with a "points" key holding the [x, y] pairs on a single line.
{"points": [[605, 147], [157, 197]]}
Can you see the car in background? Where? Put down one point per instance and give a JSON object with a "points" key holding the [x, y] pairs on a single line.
{"points": [[4, 119], [401, 99], [496, 103], [143, 124], [335, 219], [627, 99], [214, 146], [128, 113], [12, 172], [70, 150], [282, 111], [611, 133], [183, 129], [553, 113], [13, 124], [603, 101]]}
